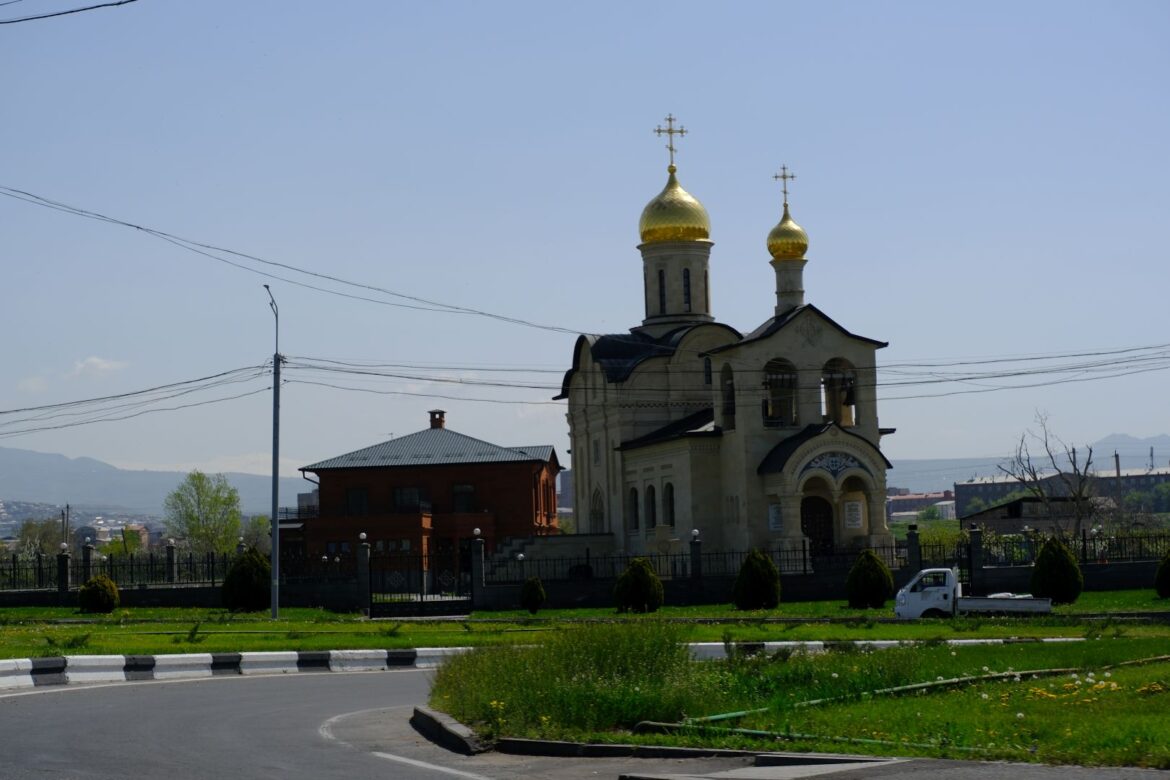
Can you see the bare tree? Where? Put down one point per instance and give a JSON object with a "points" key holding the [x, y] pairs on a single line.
{"points": [[1058, 473]]}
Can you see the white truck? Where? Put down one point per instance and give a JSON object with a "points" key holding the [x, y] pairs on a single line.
{"points": [[938, 593]]}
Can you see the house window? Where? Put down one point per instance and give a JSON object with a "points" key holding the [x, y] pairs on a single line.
{"points": [[661, 292], [686, 289], [463, 498], [668, 504], [633, 509], [651, 508], [407, 499], [357, 501]]}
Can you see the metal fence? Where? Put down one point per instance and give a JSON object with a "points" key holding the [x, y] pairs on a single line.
{"points": [[1089, 547]]}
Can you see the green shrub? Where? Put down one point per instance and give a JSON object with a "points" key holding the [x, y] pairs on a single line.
{"points": [[1162, 578], [532, 595], [758, 583], [638, 589], [98, 594], [247, 586], [1057, 575], [870, 583]]}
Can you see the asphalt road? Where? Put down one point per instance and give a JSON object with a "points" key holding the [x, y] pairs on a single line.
{"points": [[331, 725]]}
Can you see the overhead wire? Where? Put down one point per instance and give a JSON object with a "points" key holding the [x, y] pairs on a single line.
{"points": [[64, 13]]}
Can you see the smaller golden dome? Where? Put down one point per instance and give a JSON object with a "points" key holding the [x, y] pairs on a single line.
{"points": [[787, 241], [674, 215]]}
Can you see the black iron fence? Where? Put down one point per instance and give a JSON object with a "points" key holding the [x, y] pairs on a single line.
{"points": [[1092, 546]]}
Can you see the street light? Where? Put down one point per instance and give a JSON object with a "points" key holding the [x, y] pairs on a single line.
{"points": [[275, 458]]}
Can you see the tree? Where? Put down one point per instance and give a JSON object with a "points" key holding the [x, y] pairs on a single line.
{"points": [[39, 536], [1071, 480], [927, 514], [258, 533], [870, 583], [758, 584], [205, 512]]}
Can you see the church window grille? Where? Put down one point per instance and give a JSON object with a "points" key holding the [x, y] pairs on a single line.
{"points": [[779, 403], [661, 292], [651, 508], [668, 504], [633, 509], [686, 289], [706, 292], [706, 371], [727, 390]]}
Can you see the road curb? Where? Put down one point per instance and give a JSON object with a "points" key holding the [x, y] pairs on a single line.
{"points": [[446, 732]]}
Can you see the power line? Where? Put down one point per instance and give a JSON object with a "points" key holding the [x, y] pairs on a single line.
{"points": [[64, 13]]}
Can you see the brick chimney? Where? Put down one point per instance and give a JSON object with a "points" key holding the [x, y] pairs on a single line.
{"points": [[438, 418]]}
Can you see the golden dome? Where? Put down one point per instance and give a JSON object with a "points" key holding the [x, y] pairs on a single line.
{"points": [[787, 241], [674, 215]]}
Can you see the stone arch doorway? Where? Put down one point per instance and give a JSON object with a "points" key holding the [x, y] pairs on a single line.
{"points": [[816, 523]]}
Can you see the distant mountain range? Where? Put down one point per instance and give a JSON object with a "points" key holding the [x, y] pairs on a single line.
{"points": [[56, 479]]}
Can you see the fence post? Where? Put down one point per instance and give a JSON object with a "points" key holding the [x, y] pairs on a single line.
{"points": [[40, 570], [86, 563], [63, 569], [363, 576], [172, 574], [696, 556], [913, 549], [478, 583], [975, 558]]}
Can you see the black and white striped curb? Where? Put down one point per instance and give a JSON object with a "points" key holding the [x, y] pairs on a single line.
{"points": [[23, 673], [20, 673]]}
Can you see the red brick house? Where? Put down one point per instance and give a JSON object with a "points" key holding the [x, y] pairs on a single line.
{"points": [[427, 492]]}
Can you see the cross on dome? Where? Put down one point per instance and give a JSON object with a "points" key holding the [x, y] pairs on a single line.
{"points": [[670, 132], [784, 177]]}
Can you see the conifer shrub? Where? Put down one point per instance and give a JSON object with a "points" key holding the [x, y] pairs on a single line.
{"points": [[1056, 574], [638, 589], [869, 584], [758, 584], [247, 586], [532, 595], [98, 594], [1162, 578]]}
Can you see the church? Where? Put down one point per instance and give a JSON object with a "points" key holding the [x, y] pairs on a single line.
{"points": [[686, 428]]}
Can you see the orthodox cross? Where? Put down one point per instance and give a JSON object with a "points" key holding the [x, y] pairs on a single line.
{"points": [[670, 132], [783, 177]]}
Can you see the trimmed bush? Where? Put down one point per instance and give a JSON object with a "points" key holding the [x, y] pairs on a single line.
{"points": [[870, 583], [638, 589], [532, 595], [1162, 578], [248, 584], [98, 594], [1057, 575], [758, 584]]}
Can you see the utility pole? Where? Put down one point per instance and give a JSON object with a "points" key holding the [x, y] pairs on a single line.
{"points": [[275, 460]]}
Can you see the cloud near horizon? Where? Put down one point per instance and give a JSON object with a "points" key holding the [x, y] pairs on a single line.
{"points": [[95, 366]]}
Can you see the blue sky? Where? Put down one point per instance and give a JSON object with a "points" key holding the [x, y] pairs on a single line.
{"points": [[977, 180]]}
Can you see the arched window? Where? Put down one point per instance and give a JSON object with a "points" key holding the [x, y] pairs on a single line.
{"points": [[651, 508], [686, 289], [661, 291], [779, 394], [668, 504], [597, 512], [727, 394], [838, 392], [706, 371], [633, 509]]}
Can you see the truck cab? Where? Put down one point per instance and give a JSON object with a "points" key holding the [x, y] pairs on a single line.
{"points": [[932, 593]]}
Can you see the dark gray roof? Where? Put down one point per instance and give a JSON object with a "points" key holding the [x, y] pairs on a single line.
{"points": [[618, 354], [774, 324], [774, 461], [434, 446], [701, 423]]}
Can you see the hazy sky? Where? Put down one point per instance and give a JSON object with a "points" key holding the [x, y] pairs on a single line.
{"points": [[978, 181]]}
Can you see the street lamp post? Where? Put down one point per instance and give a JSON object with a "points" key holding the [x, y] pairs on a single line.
{"points": [[275, 460]]}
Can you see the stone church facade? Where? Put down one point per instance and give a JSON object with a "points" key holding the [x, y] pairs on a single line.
{"points": [[768, 439]]}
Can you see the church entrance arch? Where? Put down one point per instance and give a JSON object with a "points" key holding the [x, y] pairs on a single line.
{"points": [[816, 523]]}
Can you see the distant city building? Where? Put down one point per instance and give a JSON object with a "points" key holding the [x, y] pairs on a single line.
{"points": [[905, 501], [991, 490]]}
